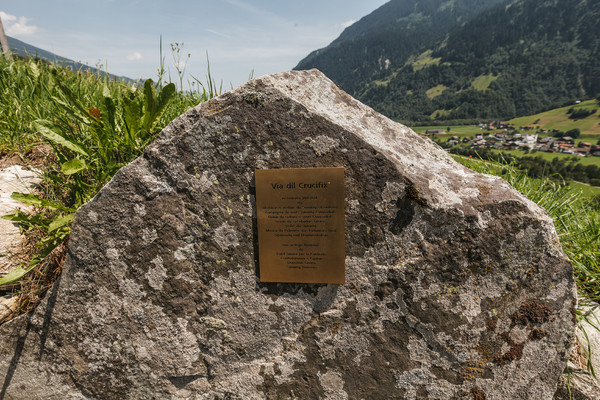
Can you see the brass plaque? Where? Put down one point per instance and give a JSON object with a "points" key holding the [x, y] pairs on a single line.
{"points": [[300, 217]]}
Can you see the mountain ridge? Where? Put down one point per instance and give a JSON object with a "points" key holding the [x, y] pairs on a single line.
{"points": [[20, 48], [388, 36], [502, 59]]}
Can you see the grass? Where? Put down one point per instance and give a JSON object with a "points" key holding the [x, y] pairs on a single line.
{"points": [[382, 82], [550, 156], [482, 82], [439, 113], [558, 118], [585, 189], [93, 126], [435, 91], [425, 60], [455, 130]]}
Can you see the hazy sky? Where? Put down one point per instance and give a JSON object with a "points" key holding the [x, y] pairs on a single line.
{"points": [[240, 36]]}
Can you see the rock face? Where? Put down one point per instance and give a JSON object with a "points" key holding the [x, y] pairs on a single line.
{"points": [[577, 383], [456, 285], [13, 179]]}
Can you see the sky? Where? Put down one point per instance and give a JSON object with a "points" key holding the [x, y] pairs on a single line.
{"points": [[241, 37]]}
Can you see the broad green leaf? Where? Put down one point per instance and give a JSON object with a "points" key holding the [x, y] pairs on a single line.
{"points": [[153, 107], [164, 97], [132, 111], [149, 103], [45, 129], [73, 166], [33, 200], [17, 216], [60, 222], [110, 111], [15, 275]]}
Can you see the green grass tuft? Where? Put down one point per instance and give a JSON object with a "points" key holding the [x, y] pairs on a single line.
{"points": [[92, 126]]}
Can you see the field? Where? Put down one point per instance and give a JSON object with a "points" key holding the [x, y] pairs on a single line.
{"points": [[436, 91], [551, 156], [482, 82], [553, 119], [455, 130], [559, 119], [424, 60]]}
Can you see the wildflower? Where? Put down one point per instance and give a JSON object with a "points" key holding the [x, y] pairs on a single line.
{"points": [[94, 112]]}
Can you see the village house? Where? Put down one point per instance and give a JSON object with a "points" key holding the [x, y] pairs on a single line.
{"points": [[566, 148], [530, 139], [567, 139], [453, 141], [525, 147]]}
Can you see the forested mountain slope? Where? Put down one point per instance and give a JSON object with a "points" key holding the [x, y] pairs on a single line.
{"points": [[493, 59], [382, 41]]}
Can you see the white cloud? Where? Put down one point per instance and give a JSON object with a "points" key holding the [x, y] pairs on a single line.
{"points": [[17, 26], [136, 55], [348, 23], [226, 36]]}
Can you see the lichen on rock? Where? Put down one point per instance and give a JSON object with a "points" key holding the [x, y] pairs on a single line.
{"points": [[456, 286]]}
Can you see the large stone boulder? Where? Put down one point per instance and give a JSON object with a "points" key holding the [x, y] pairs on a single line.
{"points": [[456, 284]]}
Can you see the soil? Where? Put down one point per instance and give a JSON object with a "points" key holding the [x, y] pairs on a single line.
{"points": [[36, 157]]}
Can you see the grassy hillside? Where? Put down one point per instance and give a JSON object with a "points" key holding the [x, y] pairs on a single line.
{"points": [[23, 49], [558, 118]]}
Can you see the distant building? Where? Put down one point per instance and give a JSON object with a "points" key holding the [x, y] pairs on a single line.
{"points": [[530, 138], [568, 139]]}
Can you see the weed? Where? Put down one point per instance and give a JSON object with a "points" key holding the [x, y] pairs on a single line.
{"points": [[94, 126]]}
